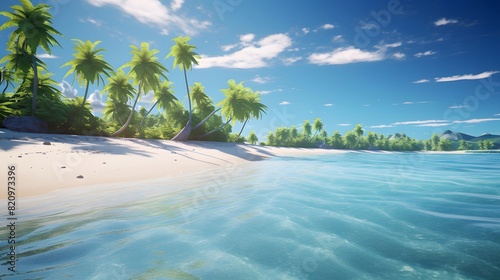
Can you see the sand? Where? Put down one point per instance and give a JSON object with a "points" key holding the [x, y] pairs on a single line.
{"points": [[48, 162]]}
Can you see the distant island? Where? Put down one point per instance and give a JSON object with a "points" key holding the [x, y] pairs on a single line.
{"points": [[313, 136]]}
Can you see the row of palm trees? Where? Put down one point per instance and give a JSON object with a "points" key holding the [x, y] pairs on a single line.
{"points": [[144, 73]]}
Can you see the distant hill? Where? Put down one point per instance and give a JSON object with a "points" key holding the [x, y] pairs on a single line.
{"points": [[450, 135], [457, 136]]}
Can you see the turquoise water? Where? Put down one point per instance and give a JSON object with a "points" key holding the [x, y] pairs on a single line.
{"points": [[346, 216]]}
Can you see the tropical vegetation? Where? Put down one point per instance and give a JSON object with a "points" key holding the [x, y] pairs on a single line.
{"points": [[313, 136], [28, 89]]}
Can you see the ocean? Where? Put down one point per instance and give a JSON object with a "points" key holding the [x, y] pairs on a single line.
{"points": [[358, 215]]}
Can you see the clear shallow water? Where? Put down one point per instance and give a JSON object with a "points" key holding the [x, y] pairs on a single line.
{"points": [[346, 216]]}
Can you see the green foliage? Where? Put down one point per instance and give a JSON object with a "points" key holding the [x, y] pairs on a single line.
{"points": [[464, 145], [252, 138], [486, 145]]}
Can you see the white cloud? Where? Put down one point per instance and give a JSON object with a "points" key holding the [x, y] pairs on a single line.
{"points": [[67, 90], [327, 26], [421, 81], [338, 38], [420, 122], [369, 25], [264, 92], [434, 124], [148, 97], [328, 105], [255, 55], [47, 56], [291, 60], [399, 56], [227, 48], [497, 115], [382, 126], [95, 22], [417, 102], [478, 120], [426, 53], [483, 75], [345, 56], [261, 80], [393, 45], [445, 21], [154, 13], [305, 30], [247, 38], [344, 124], [285, 103], [176, 4], [95, 101], [457, 107]]}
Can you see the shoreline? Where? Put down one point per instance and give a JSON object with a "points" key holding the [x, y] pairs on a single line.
{"points": [[50, 162]]}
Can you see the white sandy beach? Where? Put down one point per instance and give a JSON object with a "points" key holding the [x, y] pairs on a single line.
{"points": [[67, 161]]}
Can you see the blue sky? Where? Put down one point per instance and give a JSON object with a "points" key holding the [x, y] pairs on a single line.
{"points": [[414, 67]]}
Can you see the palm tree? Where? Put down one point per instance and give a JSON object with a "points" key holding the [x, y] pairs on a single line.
{"points": [[88, 65], [317, 126], [120, 91], [184, 57], [145, 71], [119, 88], [349, 140], [164, 97], [33, 30], [235, 107], [252, 138], [7, 77], [202, 102], [116, 110], [307, 129], [256, 108]]}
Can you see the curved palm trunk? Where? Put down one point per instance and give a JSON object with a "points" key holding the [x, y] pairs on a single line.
{"points": [[183, 135], [5, 88], [239, 134], [129, 119], [84, 97], [214, 130], [189, 97], [145, 116], [35, 84], [186, 131], [206, 119]]}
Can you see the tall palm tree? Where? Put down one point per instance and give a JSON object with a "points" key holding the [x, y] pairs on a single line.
{"points": [[202, 102], [7, 77], [256, 108], [120, 91], [306, 129], [33, 30], [88, 65], [164, 97], [184, 57], [235, 107], [119, 87], [317, 126], [146, 72], [115, 110]]}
